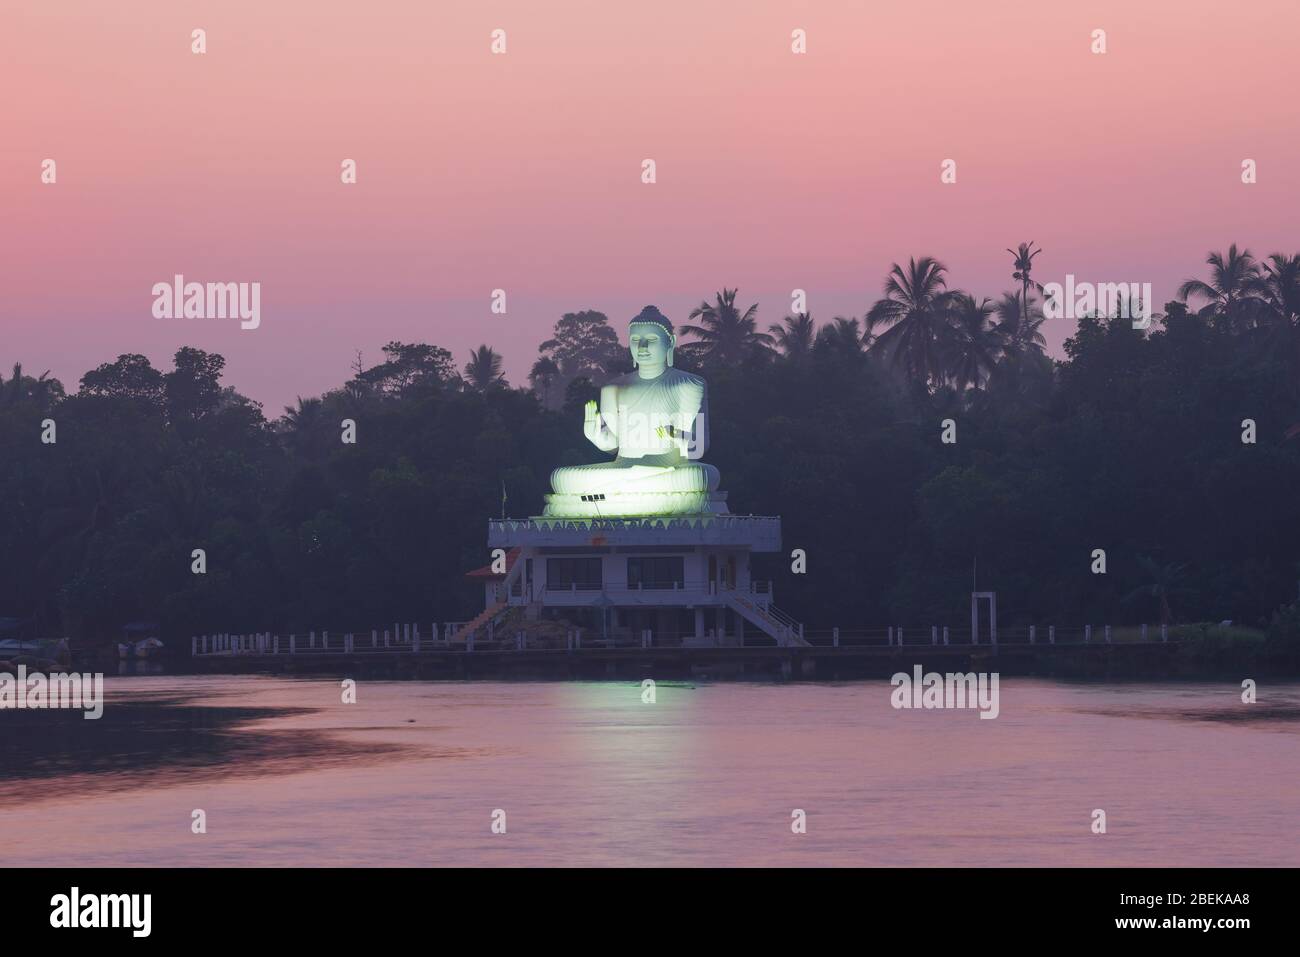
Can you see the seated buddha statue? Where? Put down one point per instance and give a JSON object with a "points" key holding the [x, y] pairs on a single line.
{"points": [[655, 419]]}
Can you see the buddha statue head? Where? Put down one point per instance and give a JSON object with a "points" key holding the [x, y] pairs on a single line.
{"points": [[651, 340]]}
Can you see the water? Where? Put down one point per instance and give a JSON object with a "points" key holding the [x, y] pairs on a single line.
{"points": [[708, 775]]}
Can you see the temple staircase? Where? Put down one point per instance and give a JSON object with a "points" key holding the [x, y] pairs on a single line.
{"points": [[771, 620], [480, 620], [494, 610]]}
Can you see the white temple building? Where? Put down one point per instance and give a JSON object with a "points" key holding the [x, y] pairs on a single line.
{"points": [[641, 549], [684, 579]]}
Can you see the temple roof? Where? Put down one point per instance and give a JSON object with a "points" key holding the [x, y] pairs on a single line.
{"points": [[486, 571]]}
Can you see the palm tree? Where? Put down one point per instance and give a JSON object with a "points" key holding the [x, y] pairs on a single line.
{"points": [[1018, 325], [915, 308], [1024, 261], [543, 375], [304, 430], [841, 337], [794, 335], [973, 349], [726, 335], [483, 371], [1281, 286], [1231, 293], [41, 391], [869, 334], [304, 415], [1023, 368], [1281, 291]]}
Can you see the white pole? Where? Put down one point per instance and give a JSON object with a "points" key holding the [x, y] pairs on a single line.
{"points": [[835, 636], [1031, 634], [1051, 634], [934, 634], [945, 634]]}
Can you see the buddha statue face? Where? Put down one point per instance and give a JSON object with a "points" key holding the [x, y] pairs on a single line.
{"points": [[651, 346]]}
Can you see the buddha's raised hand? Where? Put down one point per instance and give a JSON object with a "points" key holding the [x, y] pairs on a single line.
{"points": [[591, 422]]}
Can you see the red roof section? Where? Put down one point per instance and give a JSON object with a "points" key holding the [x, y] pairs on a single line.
{"points": [[486, 571]]}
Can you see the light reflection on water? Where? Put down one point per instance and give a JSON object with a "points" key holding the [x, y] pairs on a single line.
{"points": [[707, 775]]}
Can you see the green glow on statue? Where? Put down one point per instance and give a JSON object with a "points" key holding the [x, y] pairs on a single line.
{"points": [[655, 420]]}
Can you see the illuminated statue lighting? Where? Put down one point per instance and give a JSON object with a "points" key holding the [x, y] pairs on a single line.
{"points": [[656, 420]]}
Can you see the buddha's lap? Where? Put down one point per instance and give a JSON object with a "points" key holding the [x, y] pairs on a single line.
{"points": [[619, 476]]}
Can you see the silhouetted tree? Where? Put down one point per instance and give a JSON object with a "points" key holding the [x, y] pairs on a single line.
{"points": [[916, 310], [725, 334], [794, 335]]}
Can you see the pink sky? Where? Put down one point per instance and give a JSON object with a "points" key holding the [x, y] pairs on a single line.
{"points": [[522, 171]]}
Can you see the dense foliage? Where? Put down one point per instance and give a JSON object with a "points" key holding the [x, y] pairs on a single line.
{"points": [[1132, 443]]}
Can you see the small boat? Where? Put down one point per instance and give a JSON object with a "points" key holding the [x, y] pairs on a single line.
{"points": [[148, 648], [42, 647], [144, 648], [13, 647], [132, 647]]}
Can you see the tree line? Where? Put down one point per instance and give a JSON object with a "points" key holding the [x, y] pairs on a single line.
{"points": [[1175, 449]]}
